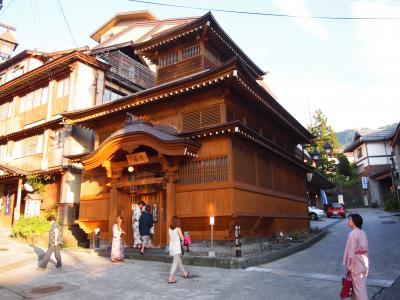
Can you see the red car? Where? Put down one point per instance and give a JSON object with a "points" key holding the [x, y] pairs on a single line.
{"points": [[336, 210]]}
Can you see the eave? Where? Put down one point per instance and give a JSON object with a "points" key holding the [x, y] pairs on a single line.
{"points": [[56, 123], [239, 129], [19, 57], [396, 137], [46, 72], [206, 22], [160, 93]]}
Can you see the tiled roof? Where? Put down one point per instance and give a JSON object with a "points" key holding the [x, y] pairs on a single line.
{"points": [[364, 136], [136, 125]]}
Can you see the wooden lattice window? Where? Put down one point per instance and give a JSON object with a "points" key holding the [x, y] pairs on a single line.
{"points": [[169, 59], [244, 164], [204, 171], [202, 118], [191, 51]]}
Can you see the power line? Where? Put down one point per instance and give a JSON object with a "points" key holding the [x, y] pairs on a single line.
{"points": [[66, 22], [264, 14], [5, 8]]}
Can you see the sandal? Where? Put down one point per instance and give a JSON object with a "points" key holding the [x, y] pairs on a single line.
{"points": [[171, 281], [188, 275]]}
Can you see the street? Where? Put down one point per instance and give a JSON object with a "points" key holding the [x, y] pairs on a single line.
{"points": [[310, 274]]}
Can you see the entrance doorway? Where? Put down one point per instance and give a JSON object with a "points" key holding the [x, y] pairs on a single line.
{"points": [[156, 200], [153, 195]]}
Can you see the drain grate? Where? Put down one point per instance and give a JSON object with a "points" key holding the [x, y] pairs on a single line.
{"points": [[47, 289], [389, 222]]}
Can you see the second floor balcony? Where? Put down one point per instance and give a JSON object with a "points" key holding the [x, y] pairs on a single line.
{"points": [[129, 69]]}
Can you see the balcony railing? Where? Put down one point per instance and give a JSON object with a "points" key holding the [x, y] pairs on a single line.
{"points": [[125, 67]]}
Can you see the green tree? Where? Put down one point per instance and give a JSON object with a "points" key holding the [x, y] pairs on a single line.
{"points": [[323, 133], [344, 167]]}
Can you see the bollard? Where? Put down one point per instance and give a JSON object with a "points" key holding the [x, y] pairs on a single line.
{"points": [[238, 244], [96, 238]]}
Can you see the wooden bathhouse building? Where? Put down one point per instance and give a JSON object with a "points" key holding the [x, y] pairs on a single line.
{"points": [[207, 139]]}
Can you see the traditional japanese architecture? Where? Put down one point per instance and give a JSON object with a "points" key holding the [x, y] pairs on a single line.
{"points": [[35, 88], [372, 151], [205, 140]]}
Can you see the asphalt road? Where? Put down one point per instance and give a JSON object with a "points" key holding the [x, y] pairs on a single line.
{"points": [[313, 273]]}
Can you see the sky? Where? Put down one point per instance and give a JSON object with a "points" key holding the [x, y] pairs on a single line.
{"points": [[347, 68]]}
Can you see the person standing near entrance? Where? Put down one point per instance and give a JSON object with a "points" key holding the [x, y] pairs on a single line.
{"points": [[55, 243], [117, 245], [175, 249], [355, 257], [145, 224], [137, 212]]}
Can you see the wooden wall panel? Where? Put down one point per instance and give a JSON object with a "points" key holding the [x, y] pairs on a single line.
{"points": [[203, 203], [51, 196], [94, 210], [180, 69], [252, 203], [59, 105], [35, 114], [94, 183]]}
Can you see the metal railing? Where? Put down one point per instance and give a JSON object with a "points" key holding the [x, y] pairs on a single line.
{"points": [[125, 67]]}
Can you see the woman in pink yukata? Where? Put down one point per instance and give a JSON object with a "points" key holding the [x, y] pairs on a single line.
{"points": [[117, 245], [355, 257]]}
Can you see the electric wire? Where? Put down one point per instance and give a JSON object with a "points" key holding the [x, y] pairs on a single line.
{"points": [[66, 22], [264, 14], [6, 7]]}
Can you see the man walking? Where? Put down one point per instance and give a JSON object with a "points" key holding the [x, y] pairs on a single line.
{"points": [[55, 242]]}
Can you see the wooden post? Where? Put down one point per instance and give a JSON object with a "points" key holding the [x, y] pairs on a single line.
{"points": [[170, 201], [19, 196], [113, 209]]}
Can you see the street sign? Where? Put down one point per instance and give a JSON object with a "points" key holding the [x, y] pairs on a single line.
{"points": [[364, 182]]}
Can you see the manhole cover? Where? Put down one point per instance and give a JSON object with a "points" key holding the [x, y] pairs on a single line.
{"points": [[46, 290], [3, 249], [389, 222]]}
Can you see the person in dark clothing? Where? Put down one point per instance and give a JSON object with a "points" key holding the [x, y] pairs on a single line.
{"points": [[145, 224]]}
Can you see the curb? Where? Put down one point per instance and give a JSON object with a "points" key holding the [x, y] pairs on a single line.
{"points": [[227, 262]]}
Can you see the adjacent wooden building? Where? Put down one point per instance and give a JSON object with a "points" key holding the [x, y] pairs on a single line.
{"points": [[207, 139]]}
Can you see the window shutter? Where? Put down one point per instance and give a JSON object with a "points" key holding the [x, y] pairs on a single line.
{"points": [[210, 116], [191, 121]]}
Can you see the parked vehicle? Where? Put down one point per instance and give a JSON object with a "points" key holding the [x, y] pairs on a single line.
{"points": [[336, 210], [315, 213]]}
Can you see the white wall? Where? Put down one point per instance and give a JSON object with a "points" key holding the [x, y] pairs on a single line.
{"points": [[84, 87]]}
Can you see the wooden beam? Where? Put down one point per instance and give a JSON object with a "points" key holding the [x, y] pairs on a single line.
{"points": [[143, 181]]}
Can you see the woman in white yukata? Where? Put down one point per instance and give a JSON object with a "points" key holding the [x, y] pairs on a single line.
{"points": [[117, 245], [137, 212], [355, 257]]}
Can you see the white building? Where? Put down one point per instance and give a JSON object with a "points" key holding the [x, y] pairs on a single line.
{"points": [[372, 152]]}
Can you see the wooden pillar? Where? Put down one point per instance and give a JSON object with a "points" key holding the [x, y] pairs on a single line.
{"points": [[171, 171], [19, 196], [114, 172], [113, 209]]}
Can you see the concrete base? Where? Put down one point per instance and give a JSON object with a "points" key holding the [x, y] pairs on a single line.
{"points": [[223, 261]]}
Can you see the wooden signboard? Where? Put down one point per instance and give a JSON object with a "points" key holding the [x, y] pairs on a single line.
{"points": [[137, 158]]}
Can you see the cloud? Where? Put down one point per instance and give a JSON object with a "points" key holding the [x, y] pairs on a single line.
{"points": [[299, 7]]}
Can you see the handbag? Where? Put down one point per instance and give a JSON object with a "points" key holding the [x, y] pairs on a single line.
{"points": [[347, 286]]}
